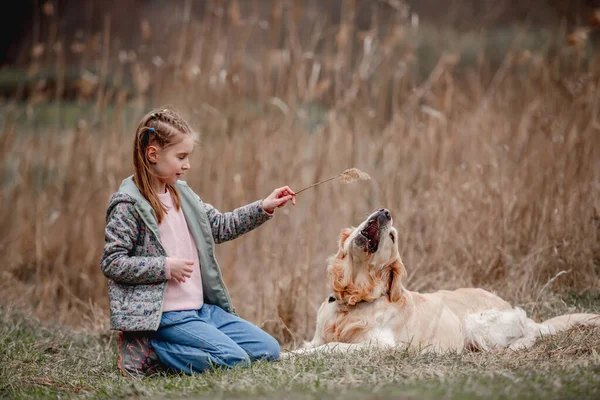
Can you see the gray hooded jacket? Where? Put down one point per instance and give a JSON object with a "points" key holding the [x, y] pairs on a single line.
{"points": [[134, 258]]}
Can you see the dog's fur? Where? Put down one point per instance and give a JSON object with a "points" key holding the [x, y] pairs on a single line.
{"points": [[370, 306]]}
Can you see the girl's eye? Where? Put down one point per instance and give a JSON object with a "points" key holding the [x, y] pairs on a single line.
{"points": [[392, 237]]}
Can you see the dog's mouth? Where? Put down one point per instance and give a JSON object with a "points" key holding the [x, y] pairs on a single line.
{"points": [[368, 238], [371, 234]]}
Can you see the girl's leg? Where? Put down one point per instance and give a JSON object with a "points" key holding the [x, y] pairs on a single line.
{"points": [[184, 342], [256, 342]]}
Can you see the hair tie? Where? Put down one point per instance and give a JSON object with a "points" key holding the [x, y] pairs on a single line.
{"points": [[151, 130], [152, 115]]}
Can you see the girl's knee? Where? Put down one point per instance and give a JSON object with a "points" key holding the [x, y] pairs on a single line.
{"points": [[188, 359], [270, 349], [234, 358]]}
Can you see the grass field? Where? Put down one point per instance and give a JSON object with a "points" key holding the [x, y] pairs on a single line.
{"points": [[41, 361]]}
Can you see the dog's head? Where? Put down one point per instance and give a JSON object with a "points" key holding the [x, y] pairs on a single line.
{"points": [[374, 240], [367, 264]]}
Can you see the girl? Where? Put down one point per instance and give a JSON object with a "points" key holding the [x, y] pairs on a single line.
{"points": [[166, 293]]}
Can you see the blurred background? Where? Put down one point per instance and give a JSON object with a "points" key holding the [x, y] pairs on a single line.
{"points": [[477, 121]]}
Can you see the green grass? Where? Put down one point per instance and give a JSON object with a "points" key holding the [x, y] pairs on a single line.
{"points": [[41, 361]]}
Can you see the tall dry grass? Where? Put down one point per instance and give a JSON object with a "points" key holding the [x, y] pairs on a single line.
{"points": [[491, 172]]}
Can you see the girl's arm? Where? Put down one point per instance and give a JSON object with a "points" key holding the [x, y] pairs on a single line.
{"points": [[228, 226], [121, 235], [241, 220]]}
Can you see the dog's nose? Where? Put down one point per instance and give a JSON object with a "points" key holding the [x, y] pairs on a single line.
{"points": [[386, 213]]}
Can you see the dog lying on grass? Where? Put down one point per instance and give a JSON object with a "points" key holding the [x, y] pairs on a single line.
{"points": [[370, 306]]}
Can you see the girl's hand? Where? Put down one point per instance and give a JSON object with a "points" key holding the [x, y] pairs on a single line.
{"points": [[181, 268], [279, 198]]}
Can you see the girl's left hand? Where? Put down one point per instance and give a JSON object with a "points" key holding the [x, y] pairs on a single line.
{"points": [[279, 198]]}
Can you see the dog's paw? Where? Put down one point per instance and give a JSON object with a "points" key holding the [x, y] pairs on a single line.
{"points": [[286, 355]]}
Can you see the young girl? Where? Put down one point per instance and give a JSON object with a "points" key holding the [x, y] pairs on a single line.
{"points": [[167, 296]]}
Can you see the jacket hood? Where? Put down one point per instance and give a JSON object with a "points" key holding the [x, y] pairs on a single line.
{"points": [[119, 198], [129, 187], [128, 193]]}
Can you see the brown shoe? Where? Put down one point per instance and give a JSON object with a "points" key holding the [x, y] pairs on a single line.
{"points": [[136, 357]]}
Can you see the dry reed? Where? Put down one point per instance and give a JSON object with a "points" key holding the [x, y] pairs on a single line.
{"points": [[348, 176], [492, 174]]}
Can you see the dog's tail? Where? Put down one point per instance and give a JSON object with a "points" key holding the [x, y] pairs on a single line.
{"points": [[553, 326], [568, 321]]}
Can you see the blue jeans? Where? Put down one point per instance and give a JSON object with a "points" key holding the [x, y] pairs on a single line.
{"points": [[196, 340]]}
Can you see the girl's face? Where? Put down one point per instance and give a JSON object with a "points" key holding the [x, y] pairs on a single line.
{"points": [[170, 163]]}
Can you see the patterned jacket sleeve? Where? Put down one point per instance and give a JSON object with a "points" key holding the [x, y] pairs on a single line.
{"points": [[228, 226], [118, 262]]}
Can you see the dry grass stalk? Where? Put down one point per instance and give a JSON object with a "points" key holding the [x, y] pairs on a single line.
{"points": [[348, 176], [505, 210]]}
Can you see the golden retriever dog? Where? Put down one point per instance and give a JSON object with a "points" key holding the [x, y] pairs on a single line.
{"points": [[370, 306]]}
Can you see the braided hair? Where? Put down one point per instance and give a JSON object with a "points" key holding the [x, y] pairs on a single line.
{"points": [[162, 128]]}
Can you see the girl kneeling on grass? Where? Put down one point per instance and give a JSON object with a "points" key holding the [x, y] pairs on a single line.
{"points": [[167, 296]]}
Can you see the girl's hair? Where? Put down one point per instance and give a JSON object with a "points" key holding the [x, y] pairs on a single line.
{"points": [[162, 128]]}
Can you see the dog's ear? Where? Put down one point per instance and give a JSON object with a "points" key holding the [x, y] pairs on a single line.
{"points": [[397, 274], [344, 235], [339, 271]]}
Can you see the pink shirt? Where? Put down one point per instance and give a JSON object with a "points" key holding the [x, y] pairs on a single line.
{"points": [[177, 240]]}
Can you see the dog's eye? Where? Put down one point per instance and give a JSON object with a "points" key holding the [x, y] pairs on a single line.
{"points": [[392, 237], [331, 299]]}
